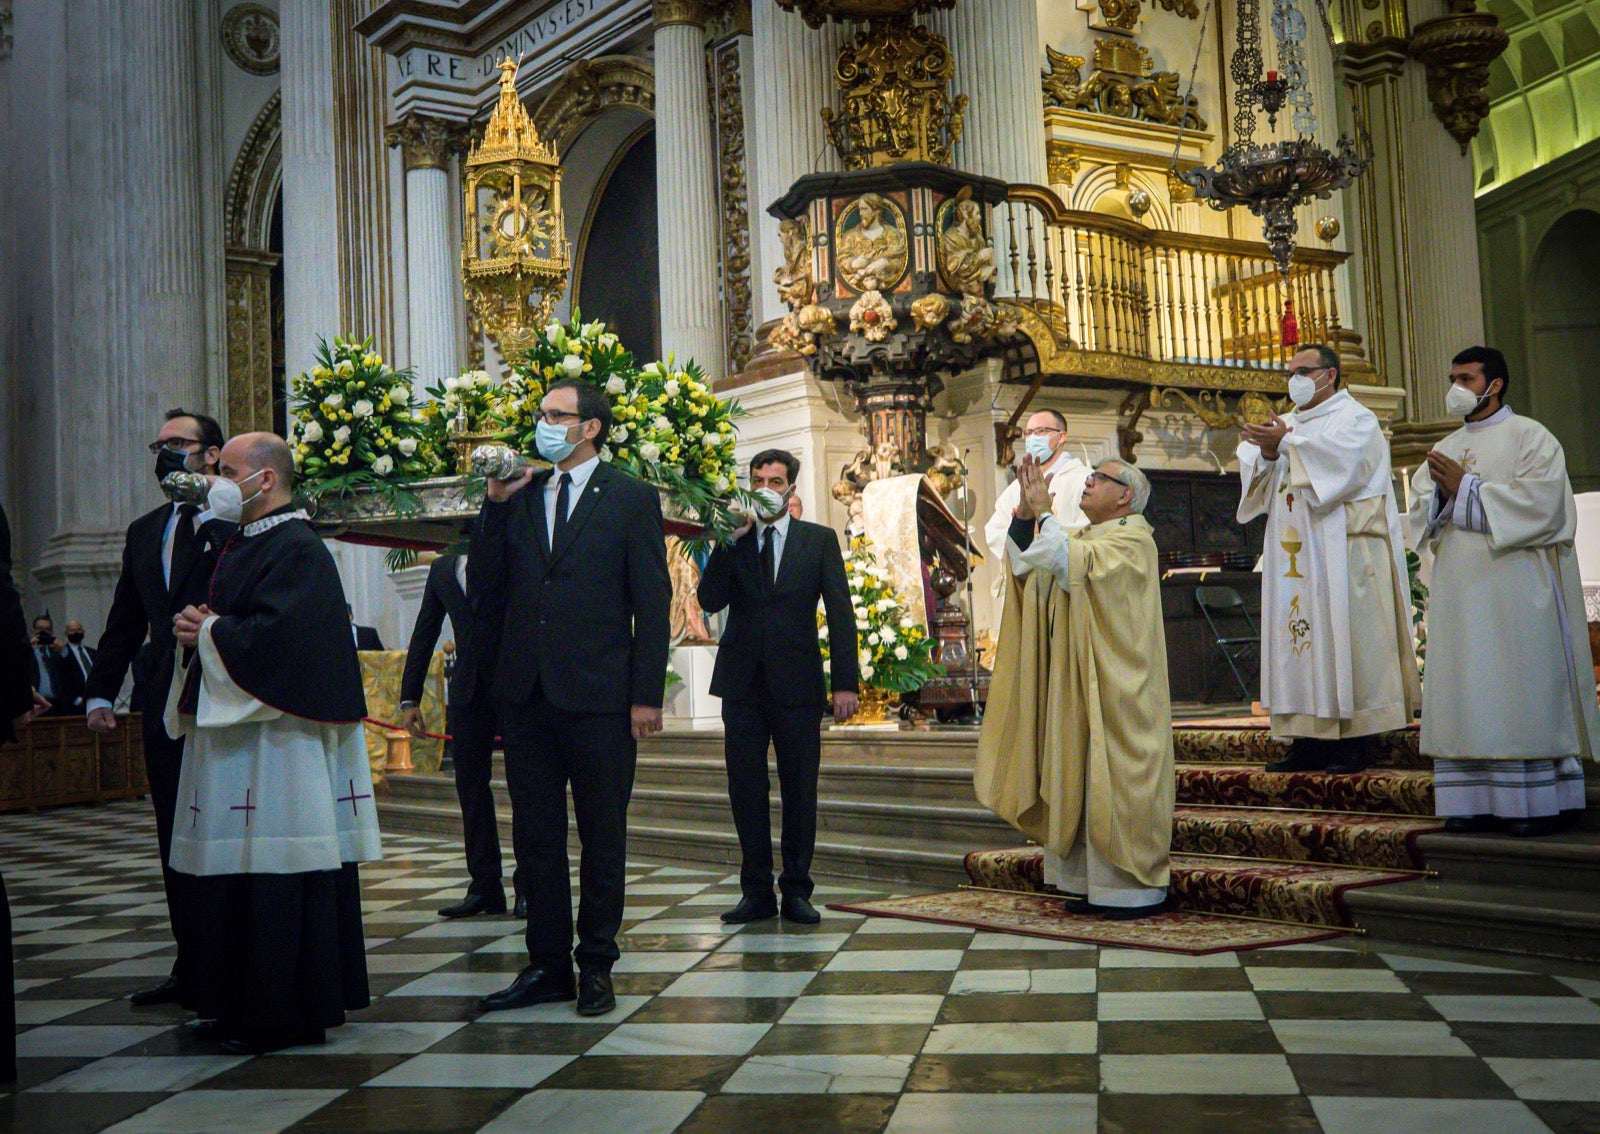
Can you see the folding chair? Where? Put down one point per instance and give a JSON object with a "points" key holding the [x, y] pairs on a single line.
{"points": [[1224, 602]]}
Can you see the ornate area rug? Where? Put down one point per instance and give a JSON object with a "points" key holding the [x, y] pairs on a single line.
{"points": [[1041, 915], [1245, 740], [1308, 893], [1339, 839], [1382, 791]]}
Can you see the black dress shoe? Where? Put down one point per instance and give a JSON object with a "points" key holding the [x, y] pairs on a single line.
{"points": [[1305, 755], [474, 904], [213, 1030], [800, 911], [164, 993], [1532, 828], [595, 996], [1471, 824], [1077, 904], [534, 985], [751, 909], [1134, 913], [521, 908]]}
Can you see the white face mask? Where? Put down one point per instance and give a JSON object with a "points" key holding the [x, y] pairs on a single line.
{"points": [[1038, 447], [773, 503], [1302, 388], [1461, 401], [225, 500]]}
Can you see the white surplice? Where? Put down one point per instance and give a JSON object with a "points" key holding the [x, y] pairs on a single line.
{"points": [[1509, 678], [262, 792], [1337, 655]]}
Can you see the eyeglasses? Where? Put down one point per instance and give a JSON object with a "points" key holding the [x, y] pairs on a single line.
{"points": [[176, 444], [560, 417], [1097, 475], [1044, 431], [1305, 371]]}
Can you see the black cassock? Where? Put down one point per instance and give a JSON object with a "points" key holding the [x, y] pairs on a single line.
{"points": [[280, 957]]}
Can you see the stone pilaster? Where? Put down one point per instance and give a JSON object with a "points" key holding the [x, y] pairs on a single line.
{"points": [[433, 246], [996, 49], [686, 210], [793, 80], [310, 196], [170, 280]]}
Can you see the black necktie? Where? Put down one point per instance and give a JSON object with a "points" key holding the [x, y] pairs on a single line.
{"points": [[563, 501], [183, 534], [769, 559]]}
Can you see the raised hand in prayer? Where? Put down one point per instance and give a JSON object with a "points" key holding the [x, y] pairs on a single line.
{"points": [[1035, 502], [187, 622], [1266, 437], [1445, 471]]}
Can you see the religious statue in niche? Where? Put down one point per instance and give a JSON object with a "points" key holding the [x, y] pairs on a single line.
{"points": [[870, 238], [794, 277], [965, 259]]}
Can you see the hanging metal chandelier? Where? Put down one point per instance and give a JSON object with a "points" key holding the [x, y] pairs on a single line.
{"points": [[1273, 178]]}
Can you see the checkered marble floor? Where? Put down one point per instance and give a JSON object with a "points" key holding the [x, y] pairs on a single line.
{"points": [[848, 1026]]}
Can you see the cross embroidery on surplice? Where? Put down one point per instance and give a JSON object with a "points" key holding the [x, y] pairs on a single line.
{"points": [[246, 807], [194, 807], [352, 797]]}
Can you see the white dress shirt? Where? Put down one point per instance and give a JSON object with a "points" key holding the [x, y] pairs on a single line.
{"points": [[580, 475], [80, 655], [780, 537], [170, 531]]}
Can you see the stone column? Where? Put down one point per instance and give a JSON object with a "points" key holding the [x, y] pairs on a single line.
{"points": [[996, 49], [165, 178], [686, 197], [310, 198], [433, 246], [793, 80]]}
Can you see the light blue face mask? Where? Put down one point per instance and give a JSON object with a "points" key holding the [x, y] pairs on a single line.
{"points": [[552, 442], [1038, 447]]}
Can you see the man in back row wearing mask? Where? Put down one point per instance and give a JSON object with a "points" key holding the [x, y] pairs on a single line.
{"points": [[769, 676], [167, 563], [1044, 436]]}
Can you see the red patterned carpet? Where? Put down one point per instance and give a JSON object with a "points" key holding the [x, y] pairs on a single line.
{"points": [[1282, 847]]}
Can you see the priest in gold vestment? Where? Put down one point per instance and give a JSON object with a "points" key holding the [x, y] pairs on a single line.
{"points": [[1076, 748]]}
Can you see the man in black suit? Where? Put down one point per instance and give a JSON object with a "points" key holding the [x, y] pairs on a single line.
{"points": [[469, 713], [76, 661], [571, 565], [49, 675], [769, 676], [366, 637], [166, 566]]}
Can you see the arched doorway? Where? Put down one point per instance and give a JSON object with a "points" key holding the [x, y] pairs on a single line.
{"points": [[1564, 341], [253, 234], [619, 278]]}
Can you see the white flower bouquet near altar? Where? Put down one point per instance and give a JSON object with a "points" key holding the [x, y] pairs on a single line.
{"points": [[895, 654], [352, 423]]}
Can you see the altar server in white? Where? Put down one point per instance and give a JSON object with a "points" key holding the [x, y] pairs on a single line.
{"points": [[1509, 708], [1044, 437], [275, 802], [1338, 658]]}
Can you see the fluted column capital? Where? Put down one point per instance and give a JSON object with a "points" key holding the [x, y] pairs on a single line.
{"points": [[427, 142], [695, 13]]}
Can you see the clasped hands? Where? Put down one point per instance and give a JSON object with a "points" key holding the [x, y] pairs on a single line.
{"points": [[1268, 436], [1035, 502], [1445, 471], [187, 622]]}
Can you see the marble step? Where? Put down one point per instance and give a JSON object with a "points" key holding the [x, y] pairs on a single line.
{"points": [[1474, 915], [1567, 861]]}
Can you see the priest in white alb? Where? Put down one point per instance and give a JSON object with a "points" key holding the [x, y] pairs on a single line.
{"points": [[1044, 439], [1509, 709], [275, 802], [1338, 661], [1076, 748]]}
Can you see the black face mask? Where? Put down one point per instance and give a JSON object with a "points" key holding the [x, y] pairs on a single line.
{"points": [[75, 639], [171, 461]]}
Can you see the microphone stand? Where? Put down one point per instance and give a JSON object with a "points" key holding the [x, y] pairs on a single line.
{"points": [[972, 610]]}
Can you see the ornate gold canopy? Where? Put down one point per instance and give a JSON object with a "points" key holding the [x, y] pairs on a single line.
{"points": [[515, 255]]}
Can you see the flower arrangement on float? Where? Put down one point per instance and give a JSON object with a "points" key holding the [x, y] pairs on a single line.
{"points": [[894, 653], [352, 424], [668, 428]]}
